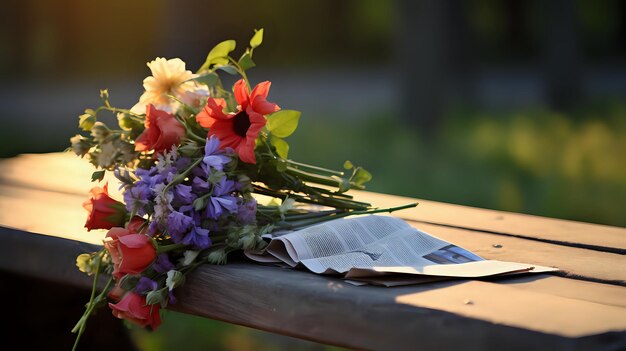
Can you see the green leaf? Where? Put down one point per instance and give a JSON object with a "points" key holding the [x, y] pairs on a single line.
{"points": [[283, 123], [228, 69], [282, 148], [209, 79], [361, 176], [257, 38], [348, 165], [245, 62], [218, 54], [97, 175]]}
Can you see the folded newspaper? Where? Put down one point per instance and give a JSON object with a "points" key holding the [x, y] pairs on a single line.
{"points": [[380, 250]]}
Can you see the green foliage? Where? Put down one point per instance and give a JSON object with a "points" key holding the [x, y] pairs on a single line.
{"points": [[219, 54], [245, 62], [283, 123], [97, 175], [281, 146], [257, 38], [209, 79], [533, 161]]}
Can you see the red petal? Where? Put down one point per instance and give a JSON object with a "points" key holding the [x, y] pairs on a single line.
{"points": [[246, 152], [261, 90], [214, 110], [241, 93], [262, 106], [117, 232]]}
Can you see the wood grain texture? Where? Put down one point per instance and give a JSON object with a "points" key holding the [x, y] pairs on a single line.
{"points": [[574, 262], [62, 215], [572, 233], [325, 309], [516, 313]]}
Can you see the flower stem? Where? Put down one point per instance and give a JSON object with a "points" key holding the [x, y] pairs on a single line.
{"points": [[181, 177], [82, 322], [315, 168], [167, 248], [307, 222]]}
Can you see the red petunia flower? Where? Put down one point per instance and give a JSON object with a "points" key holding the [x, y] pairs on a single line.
{"points": [[239, 130]]}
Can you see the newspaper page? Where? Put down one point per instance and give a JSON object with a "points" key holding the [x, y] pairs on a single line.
{"points": [[367, 249]]}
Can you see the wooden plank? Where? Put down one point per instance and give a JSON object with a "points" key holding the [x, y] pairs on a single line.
{"points": [[579, 234], [324, 309], [575, 262], [398, 318], [571, 288], [46, 212], [62, 215], [69, 174]]}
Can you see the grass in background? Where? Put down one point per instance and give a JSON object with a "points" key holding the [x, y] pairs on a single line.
{"points": [[534, 161], [190, 333]]}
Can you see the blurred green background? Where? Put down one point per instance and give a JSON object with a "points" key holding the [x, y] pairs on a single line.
{"points": [[510, 105]]}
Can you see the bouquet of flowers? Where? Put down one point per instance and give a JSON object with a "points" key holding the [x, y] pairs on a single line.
{"points": [[194, 160]]}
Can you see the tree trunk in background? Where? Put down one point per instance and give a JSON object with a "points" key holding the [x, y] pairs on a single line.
{"points": [[562, 57], [433, 60]]}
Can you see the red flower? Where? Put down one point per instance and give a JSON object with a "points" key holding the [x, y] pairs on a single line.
{"points": [[130, 253], [116, 293], [162, 131], [239, 130], [137, 225], [134, 309], [104, 212]]}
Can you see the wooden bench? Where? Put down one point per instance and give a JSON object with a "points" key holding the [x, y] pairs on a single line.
{"points": [[583, 307]]}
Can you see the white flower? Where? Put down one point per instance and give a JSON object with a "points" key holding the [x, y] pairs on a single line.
{"points": [[169, 77]]}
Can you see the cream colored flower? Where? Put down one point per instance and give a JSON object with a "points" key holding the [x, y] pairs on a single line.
{"points": [[169, 77]]}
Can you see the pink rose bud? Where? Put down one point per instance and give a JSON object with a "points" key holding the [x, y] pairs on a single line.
{"points": [[130, 253], [133, 308]]}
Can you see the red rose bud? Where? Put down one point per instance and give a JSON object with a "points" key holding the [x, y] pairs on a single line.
{"points": [[137, 225], [162, 132], [116, 292], [104, 212], [130, 253], [133, 308]]}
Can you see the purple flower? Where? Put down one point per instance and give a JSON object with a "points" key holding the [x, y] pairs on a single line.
{"points": [[145, 285], [223, 186], [137, 197], [218, 204], [150, 177], [200, 185], [172, 299], [221, 200], [182, 163], [246, 212], [162, 264], [183, 194], [212, 157], [177, 225], [198, 238]]}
